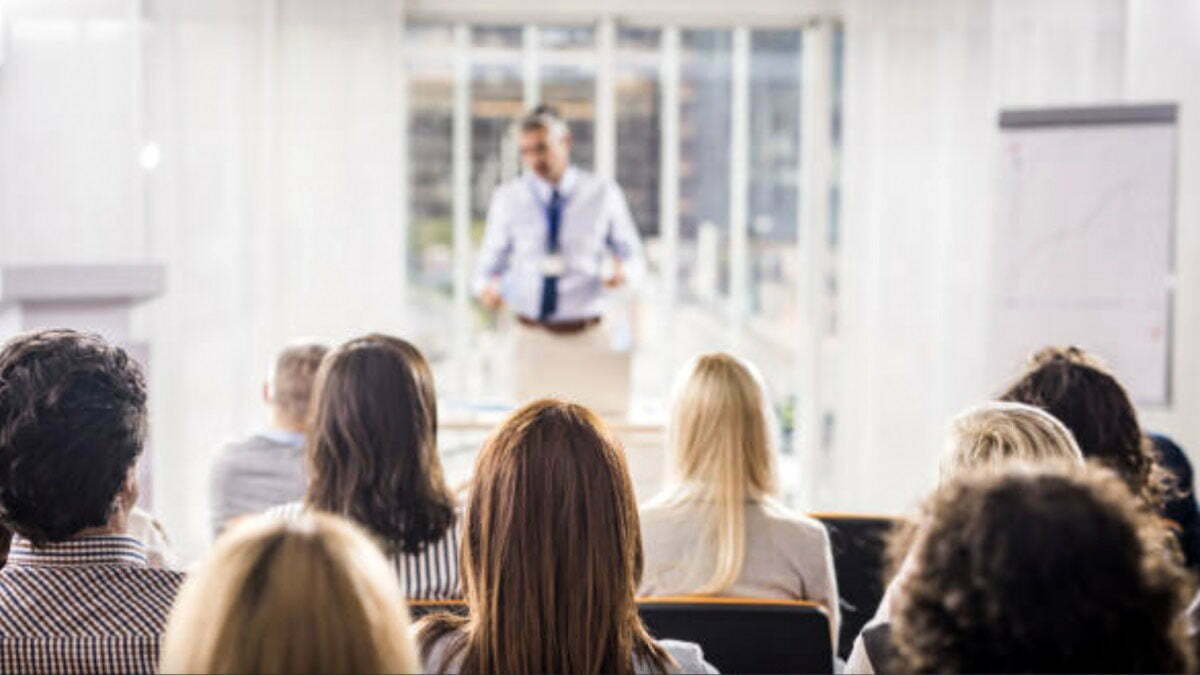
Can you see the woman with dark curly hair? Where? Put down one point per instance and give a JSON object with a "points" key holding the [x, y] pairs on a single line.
{"points": [[1076, 388], [372, 457], [1046, 569]]}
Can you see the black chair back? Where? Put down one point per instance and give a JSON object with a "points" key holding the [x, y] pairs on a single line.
{"points": [[859, 543], [419, 608], [746, 635]]}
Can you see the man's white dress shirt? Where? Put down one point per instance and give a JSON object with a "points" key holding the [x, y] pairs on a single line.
{"points": [[595, 224]]}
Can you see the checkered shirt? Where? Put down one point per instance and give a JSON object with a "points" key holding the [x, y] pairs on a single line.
{"points": [[86, 605]]}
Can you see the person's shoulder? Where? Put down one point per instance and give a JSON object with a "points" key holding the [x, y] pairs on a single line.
{"points": [[667, 514], [1168, 449], [592, 182], [256, 448], [780, 518], [170, 577], [153, 584], [234, 450], [688, 656], [288, 511], [516, 187], [439, 639]]}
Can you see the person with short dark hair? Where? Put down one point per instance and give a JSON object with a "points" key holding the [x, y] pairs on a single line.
{"points": [[1041, 569], [267, 469], [76, 594], [372, 457]]}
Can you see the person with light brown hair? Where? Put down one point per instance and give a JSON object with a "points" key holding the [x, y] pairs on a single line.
{"points": [[267, 468], [1040, 569], [989, 436], [372, 457], [719, 528], [984, 438], [307, 595], [551, 556]]}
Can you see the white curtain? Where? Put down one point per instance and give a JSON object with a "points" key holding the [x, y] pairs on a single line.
{"points": [[276, 207]]}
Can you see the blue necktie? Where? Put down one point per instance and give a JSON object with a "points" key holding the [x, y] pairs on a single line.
{"points": [[550, 283]]}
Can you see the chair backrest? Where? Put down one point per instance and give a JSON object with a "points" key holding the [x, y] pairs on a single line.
{"points": [[419, 608], [746, 635], [859, 543]]}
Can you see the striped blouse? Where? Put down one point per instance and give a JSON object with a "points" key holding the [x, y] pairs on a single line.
{"points": [[431, 574], [85, 605]]}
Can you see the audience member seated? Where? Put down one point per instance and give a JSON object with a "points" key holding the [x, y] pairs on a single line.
{"points": [[551, 558], [1041, 570], [372, 454], [718, 528], [267, 469], [1180, 507], [981, 439], [76, 594], [309, 595], [1074, 387]]}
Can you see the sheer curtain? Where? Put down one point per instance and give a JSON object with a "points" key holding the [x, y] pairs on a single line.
{"points": [[277, 208], [924, 81]]}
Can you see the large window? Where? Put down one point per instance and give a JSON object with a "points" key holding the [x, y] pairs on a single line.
{"points": [[702, 128]]}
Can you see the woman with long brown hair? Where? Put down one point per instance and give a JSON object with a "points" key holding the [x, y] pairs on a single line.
{"points": [[372, 457], [551, 556]]}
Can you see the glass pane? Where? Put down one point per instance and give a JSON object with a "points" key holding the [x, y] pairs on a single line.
{"points": [[496, 103], [564, 38], [633, 38], [705, 138], [638, 139], [638, 172], [572, 90], [774, 155], [430, 247], [507, 37]]}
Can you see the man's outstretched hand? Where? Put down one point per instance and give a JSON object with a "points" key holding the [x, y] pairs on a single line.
{"points": [[491, 298]]}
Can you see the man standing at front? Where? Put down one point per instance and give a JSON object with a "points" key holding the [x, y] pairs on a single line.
{"points": [[557, 238]]}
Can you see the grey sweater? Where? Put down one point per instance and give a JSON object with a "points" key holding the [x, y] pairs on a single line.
{"points": [[788, 556]]}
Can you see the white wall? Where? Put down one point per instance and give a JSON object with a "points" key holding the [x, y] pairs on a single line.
{"points": [[1164, 64], [68, 163]]}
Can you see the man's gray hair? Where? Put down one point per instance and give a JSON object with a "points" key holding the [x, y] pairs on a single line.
{"points": [[544, 118]]}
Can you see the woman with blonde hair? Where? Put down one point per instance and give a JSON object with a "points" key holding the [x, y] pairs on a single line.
{"points": [[311, 594], [718, 528], [993, 434], [551, 556], [985, 439]]}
